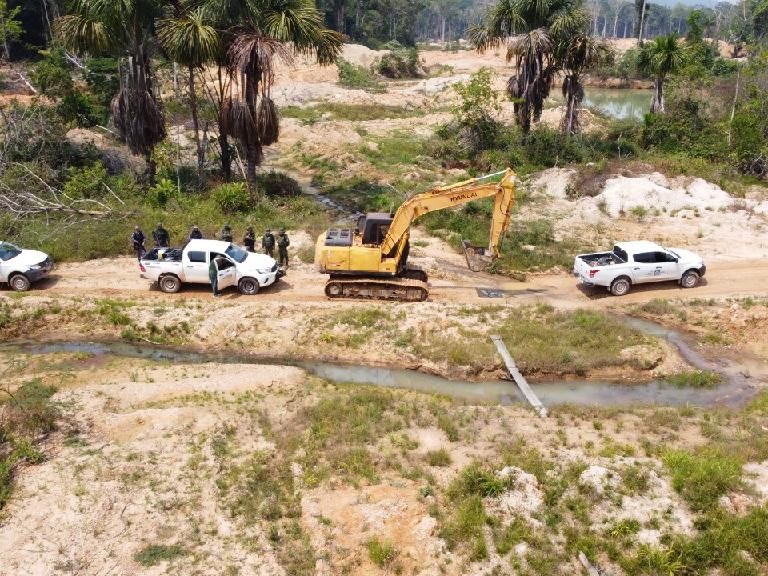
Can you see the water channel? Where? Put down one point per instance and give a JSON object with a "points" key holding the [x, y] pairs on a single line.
{"points": [[737, 387]]}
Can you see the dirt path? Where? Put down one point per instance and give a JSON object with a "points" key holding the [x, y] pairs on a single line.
{"points": [[449, 278]]}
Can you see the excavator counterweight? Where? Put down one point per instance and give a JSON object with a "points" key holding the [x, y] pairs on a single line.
{"points": [[371, 261]]}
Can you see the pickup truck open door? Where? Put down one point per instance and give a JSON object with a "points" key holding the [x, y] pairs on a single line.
{"points": [[228, 272]]}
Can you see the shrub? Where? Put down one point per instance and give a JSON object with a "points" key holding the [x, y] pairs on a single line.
{"points": [[701, 478], [381, 552], [87, 182], [277, 184], [438, 457], [355, 76], [401, 62], [159, 195], [233, 197]]}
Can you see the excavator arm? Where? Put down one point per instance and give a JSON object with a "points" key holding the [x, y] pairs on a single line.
{"points": [[456, 195]]}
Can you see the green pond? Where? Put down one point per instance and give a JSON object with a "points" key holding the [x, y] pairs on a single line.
{"points": [[615, 103]]}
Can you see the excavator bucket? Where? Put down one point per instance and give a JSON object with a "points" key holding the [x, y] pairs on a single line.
{"points": [[478, 258]]}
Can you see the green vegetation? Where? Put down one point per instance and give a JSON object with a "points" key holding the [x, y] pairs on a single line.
{"points": [[27, 414], [356, 76], [351, 112], [155, 554], [702, 477], [381, 552], [695, 379], [542, 341], [438, 457]]}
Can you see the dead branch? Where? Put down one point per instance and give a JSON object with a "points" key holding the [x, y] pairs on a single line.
{"points": [[25, 202]]}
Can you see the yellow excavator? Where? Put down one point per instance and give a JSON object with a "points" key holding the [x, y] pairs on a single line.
{"points": [[371, 261]]}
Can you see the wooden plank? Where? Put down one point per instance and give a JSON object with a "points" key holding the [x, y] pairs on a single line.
{"points": [[521, 382]]}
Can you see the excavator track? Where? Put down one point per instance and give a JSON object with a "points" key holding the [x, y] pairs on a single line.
{"points": [[410, 288]]}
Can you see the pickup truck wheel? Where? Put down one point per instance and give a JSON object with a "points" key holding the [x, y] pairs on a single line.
{"points": [[689, 279], [169, 284], [620, 286], [248, 286], [19, 282]]}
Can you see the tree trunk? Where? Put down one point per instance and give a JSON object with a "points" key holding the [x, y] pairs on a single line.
{"points": [[151, 168], [340, 25], [657, 104], [195, 120], [226, 153], [252, 155], [442, 31], [642, 22], [615, 23]]}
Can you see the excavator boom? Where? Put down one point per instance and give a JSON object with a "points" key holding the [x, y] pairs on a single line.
{"points": [[456, 195], [370, 262]]}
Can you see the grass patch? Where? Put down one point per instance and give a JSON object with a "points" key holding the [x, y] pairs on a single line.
{"points": [[26, 415], [350, 112], [540, 339], [702, 477], [695, 379], [438, 457], [381, 552], [154, 554]]}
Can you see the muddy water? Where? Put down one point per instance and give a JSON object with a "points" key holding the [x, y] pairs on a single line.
{"points": [[736, 389]]}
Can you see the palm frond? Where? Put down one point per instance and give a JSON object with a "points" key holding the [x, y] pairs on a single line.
{"points": [[189, 39], [82, 34]]}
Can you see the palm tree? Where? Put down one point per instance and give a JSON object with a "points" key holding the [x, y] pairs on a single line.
{"points": [[125, 30], [272, 30], [189, 38], [531, 31], [576, 55], [663, 56]]}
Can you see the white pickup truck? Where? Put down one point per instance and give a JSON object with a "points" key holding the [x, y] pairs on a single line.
{"points": [[638, 262], [170, 267], [19, 268]]}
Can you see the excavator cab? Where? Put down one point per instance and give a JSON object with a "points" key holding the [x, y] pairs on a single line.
{"points": [[374, 227]]}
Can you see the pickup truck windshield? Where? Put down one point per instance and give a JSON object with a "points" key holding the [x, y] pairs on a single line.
{"points": [[622, 254], [237, 254], [8, 251]]}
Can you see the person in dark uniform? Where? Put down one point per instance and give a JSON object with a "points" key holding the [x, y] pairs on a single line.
{"points": [[161, 237], [282, 248], [138, 239], [226, 233], [195, 233], [249, 240], [213, 275], [268, 243]]}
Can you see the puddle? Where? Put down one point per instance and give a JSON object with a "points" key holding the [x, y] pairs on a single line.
{"points": [[736, 389]]}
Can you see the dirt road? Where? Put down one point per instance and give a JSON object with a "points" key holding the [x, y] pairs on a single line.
{"points": [[449, 278]]}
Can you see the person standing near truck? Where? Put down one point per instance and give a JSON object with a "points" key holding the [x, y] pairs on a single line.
{"points": [[268, 243], [249, 240], [213, 275], [161, 237], [282, 248], [226, 233], [138, 239], [195, 233]]}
